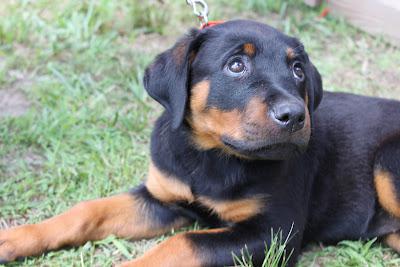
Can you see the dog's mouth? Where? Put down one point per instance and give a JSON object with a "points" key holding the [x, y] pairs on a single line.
{"points": [[265, 149]]}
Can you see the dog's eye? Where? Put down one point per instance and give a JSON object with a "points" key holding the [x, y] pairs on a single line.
{"points": [[297, 70], [236, 66]]}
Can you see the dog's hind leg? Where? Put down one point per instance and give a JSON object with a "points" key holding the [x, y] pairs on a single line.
{"points": [[215, 247], [387, 184], [133, 215]]}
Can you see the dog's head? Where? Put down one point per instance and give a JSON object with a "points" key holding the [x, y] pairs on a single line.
{"points": [[242, 87]]}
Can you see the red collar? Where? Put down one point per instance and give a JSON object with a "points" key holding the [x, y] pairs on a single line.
{"points": [[211, 24]]}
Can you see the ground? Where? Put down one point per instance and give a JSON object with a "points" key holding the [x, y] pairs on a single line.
{"points": [[75, 120]]}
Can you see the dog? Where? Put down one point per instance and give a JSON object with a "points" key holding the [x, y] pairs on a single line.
{"points": [[248, 146]]}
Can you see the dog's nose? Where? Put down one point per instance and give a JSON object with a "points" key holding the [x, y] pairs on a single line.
{"points": [[290, 116]]}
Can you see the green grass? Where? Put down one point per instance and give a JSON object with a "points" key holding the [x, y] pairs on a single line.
{"points": [[86, 134], [276, 253], [350, 253]]}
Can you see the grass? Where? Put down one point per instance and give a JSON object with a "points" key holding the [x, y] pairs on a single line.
{"points": [[351, 253], [276, 254], [86, 134]]}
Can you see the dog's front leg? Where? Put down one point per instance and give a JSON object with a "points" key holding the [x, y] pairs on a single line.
{"points": [[215, 247], [133, 215]]}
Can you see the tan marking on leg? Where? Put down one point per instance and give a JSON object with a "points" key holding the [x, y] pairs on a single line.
{"points": [[235, 210], [166, 187], [121, 215], [20, 241], [386, 192], [175, 251], [210, 231], [393, 241], [249, 49]]}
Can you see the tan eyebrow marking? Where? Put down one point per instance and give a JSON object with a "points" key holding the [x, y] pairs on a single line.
{"points": [[249, 49], [290, 53]]}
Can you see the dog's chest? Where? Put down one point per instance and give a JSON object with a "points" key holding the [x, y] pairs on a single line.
{"points": [[170, 189]]}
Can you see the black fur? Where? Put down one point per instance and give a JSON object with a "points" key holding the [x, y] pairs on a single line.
{"points": [[170, 89], [326, 194]]}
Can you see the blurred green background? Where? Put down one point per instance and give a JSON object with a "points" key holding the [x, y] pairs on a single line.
{"points": [[75, 120]]}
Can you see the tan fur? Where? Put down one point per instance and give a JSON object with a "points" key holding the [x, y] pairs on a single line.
{"points": [[290, 53], [170, 189], [304, 133], [235, 210], [306, 100], [257, 110], [198, 99], [386, 192], [175, 251], [393, 241], [179, 52], [257, 113], [209, 124], [167, 188], [121, 215], [249, 49], [210, 231]]}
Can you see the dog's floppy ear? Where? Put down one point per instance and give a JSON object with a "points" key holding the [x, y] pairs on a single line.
{"points": [[314, 86], [167, 78]]}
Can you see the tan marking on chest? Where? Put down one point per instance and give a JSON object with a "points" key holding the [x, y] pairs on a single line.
{"points": [[167, 188], [235, 210], [386, 192]]}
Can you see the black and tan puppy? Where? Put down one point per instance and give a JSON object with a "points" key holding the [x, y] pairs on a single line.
{"points": [[243, 148]]}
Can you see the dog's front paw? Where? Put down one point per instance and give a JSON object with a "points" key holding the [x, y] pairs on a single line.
{"points": [[19, 242]]}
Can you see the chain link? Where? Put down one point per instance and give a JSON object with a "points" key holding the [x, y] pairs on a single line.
{"points": [[201, 14]]}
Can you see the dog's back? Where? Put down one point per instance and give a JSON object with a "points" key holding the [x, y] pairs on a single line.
{"points": [[348, 131]]}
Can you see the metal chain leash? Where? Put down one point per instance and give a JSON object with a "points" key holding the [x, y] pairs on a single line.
{"points": [[201, 13]]}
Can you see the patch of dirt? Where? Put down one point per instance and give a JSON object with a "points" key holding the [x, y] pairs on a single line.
{"points": [[2, 62], [22, 50], [153, 43], [5, 6], [387, 83], [13, 103], [31, 158], [367, 79], [13, 100]]}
